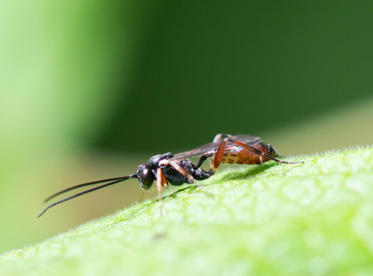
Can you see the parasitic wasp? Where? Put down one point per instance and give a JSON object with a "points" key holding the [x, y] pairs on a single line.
{"points": [[178, 169]]}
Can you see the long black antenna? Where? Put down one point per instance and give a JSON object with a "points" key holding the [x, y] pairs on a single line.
{"points": [[86, 191], [86, 184]]}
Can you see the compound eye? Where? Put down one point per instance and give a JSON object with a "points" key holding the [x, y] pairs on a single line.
{"points": [[145, 172], [145, 176]]}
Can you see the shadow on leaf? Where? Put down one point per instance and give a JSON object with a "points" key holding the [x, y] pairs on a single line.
{"points": [[251, 172], [248, 173]]}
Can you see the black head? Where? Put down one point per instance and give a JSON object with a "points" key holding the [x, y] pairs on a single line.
{"points": [[145, 176]]}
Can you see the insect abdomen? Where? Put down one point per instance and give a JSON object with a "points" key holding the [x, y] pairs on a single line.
{"points": [[244, 156], [230, 158]]}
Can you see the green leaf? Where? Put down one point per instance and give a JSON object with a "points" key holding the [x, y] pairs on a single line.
{"points": [[314, 218]]}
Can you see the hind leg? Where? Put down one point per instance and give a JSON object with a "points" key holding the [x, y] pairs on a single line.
{"points": [[200, 174], [214, 164]]}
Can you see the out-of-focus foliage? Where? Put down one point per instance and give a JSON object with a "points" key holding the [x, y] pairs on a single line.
{"points": [[309, 219], [85, 83], [336, 129], [242, 67], [60, 62]]}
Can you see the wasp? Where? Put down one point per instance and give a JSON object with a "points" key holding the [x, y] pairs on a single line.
{"points": [[178, 169]]}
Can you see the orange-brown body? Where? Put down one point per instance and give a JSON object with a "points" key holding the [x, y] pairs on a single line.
{"points": [[240, 153]]}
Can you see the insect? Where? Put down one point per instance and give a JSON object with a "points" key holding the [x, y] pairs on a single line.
{"points": [[178, 169]]}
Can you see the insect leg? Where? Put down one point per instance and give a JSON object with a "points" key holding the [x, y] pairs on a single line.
{"points": [[214, 164], [180, 169], [201, 160], [161, 181], [218, 157], [261, 154], [199, 173]]}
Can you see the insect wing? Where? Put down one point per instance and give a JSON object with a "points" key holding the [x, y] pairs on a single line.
{"points": [[208, 149], [211, 148], [247, 139]]}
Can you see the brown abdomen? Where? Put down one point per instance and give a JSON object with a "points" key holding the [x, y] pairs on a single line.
{"points": [[243, 156]]}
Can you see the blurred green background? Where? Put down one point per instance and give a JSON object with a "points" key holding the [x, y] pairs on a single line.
{"points": [[89, 89]]}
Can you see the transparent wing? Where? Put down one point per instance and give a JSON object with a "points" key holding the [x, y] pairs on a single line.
{"points": [[208, 149], [247, 139], [211, 148]]}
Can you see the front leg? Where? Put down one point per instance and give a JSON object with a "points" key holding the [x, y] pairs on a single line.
{"points": [[161, 182]]}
